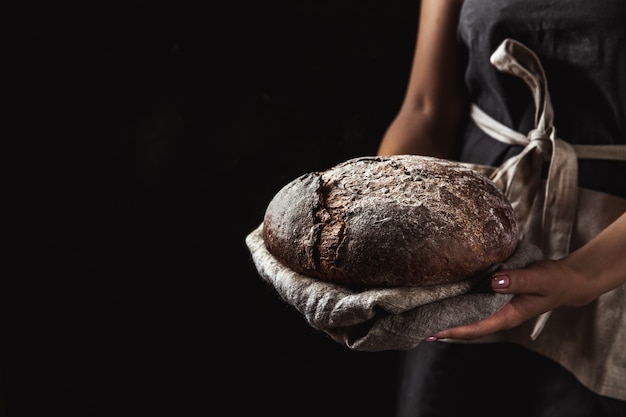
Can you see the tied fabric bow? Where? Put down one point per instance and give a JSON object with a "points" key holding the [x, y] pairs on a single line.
{"points": [[520, 176]]}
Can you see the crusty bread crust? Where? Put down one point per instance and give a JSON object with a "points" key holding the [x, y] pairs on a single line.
{"points": [[403, 220]]}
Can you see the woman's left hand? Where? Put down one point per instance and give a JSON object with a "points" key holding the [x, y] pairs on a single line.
{"points": [[538, 288], [575, 280]]}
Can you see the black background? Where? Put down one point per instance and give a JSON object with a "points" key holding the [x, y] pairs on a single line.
{"points": [[154, 137]]}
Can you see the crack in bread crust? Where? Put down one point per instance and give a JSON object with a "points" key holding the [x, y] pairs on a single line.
{"points": [[332, 234]]}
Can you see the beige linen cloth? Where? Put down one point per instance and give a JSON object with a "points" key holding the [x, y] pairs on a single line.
{"points": [[383, 318]]}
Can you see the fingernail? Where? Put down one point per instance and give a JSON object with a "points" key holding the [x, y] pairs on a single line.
{"points": [[500, 281], [430, 339]]}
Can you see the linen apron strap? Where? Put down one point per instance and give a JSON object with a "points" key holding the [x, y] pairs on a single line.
{"points": [[509, 136], [520, 176]]}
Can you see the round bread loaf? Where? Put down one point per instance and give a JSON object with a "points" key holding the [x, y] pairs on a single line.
{"points": [[389, 221]]}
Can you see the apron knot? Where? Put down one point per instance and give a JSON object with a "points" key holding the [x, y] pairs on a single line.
{"points": [[543, 140]]}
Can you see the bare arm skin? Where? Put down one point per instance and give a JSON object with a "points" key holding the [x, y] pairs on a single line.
{"points": [[575, 280], [434, 103]]}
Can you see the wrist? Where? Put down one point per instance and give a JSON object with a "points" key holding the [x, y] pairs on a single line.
{"points": [[583, 285]]}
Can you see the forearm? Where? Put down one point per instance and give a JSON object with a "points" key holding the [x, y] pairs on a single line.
{"points": [[600, 264], [434, 103], [415, 132]]}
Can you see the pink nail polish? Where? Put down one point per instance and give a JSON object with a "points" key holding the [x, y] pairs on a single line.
{"points": [[430, 339], [500, 281]]}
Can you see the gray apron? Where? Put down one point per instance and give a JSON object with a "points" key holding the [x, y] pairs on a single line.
{"points": [[558, 216]]}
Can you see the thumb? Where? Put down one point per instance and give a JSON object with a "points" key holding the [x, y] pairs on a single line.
{"points": [[501, 282]]}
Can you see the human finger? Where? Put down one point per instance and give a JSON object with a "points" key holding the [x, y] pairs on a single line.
{"points": [[529, 280]]}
